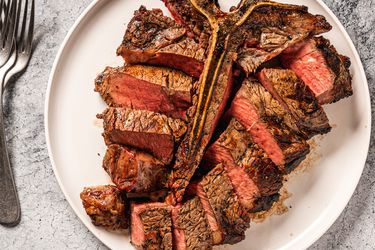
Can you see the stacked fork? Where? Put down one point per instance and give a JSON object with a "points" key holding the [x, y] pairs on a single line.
{"points": [[16, 36]]}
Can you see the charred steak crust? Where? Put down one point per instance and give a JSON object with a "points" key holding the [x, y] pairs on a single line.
{"points": [[232, 217], [134, 171], [272, 29], [296, 98], [154, 39], [192, 221], [106, 207], [144, 130], [156, 225], [157, 89]]}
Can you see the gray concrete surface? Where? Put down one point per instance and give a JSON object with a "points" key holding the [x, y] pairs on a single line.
{"points": [[48, 222]]}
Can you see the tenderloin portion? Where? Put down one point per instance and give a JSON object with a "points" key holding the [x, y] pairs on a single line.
{"points": [[253, 175], [106, 207], [321, 68], [266, 121], [134, 171], [151, 226], [296, 98], [231, 216], [191, 229], [272, 29], [154, 39], [149, 88], [152, 132]]}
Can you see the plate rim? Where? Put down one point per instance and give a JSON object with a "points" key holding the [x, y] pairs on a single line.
{"points": [[307, 243]]}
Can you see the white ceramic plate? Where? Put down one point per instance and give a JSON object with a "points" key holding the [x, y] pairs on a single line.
{"points": [[76, 147]]}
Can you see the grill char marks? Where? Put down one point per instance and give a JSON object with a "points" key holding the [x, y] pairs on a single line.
{"points": [[155, 89], [236, 150], [106, 207], [231, 216], [154, 133], [151, 226], [296, 98], [319, 65], [272, 29], [191, 226], [266, 121], [134, 171], [154, 39]]}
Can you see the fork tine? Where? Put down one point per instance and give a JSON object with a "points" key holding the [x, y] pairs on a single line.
{"points": [[12, 22], [24, 19], [29, 41]]}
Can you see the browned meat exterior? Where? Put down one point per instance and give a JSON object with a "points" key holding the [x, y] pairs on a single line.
{"points": [[259, 177], [272, 29], [191, 229], [296, 98], [154, 39], [151, 226], [265, 120], [319, 65], [144, 130], [231, 216], [134, 171], [106, 207], [185, 13], [150, 88]]}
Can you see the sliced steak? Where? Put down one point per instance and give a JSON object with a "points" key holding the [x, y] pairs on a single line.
{"points": [[106, 207], [134, 171], [253, 175], [231, 216], [296, 98], [191, 229], [155, 89], [152, 38], [151, 226], [319, 65], [144, 130], [272, 29], [265, 120]]}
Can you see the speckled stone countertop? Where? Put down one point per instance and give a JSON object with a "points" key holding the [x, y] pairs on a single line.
{"points": [[47, 219]]}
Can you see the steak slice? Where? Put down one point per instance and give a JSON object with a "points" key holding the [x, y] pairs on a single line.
{"points": [[134, 171], [152, 38], [106, 207], [272, 29], [144, 130], [151, 226], [296, 98], [319, 65], [155, 89], [231, 216], [266, 121], [191, 229], [253, 175]]}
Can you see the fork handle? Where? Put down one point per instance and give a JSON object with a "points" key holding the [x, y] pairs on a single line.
{"points": [[10, 210]]}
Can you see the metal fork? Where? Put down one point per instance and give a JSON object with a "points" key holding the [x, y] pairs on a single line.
{"points": [[17, 61]]}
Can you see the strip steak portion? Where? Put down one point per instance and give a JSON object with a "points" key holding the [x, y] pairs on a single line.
{"points": [[151, 226], [106, 207], [149, 88], [319, 65], [134, 171], [154, 39], [253, 175], [265, 120], [144, 130], [191, 229], [231, 216], [296, 98]]}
